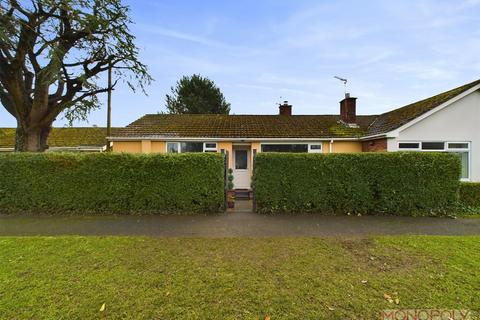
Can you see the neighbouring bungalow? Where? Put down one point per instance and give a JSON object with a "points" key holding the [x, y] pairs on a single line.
{"points": [[72, 139], [448, 122]]}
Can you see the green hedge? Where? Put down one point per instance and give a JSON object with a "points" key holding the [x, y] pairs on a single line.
{"points": [[111, 183], [368, 183], [470, 197]]}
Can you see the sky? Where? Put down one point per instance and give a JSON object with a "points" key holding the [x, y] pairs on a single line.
{"points": [[262, 52]]}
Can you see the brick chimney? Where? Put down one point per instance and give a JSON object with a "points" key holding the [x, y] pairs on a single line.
{"points": [[285, 109], [348, 106]]}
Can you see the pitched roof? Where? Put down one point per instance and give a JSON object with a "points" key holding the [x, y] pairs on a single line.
{"points": [[278, 126], [243, 126], [396, 118], [63, 137]]}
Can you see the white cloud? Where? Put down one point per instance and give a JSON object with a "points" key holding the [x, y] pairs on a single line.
{"points": [[154, 29]]}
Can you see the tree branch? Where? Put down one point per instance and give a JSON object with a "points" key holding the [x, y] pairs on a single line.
{"points": [[7, 101]]}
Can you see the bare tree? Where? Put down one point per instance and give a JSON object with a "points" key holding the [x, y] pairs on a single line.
{"points": [[51, 55]]}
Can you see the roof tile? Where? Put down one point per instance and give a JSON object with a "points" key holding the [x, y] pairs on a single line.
{"points": [[243, 126], [63, 137]]}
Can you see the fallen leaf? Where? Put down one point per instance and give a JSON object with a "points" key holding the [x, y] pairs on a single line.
{"points": [[397, 301], [267, 317], [102, 308], [331, 308], [388, 298], [364, 281]]}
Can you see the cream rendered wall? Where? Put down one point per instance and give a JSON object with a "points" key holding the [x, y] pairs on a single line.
{"points": [[158, 147], [227, 146], [346, 147], [143, 146], [127, 146], [146, 146], [326, 147], [460, 121], [254, 146]]}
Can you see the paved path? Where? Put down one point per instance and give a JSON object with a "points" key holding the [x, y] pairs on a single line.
{"points": [[238, 224]]}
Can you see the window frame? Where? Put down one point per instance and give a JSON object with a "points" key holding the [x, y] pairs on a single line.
{"points": [[419, 148], [446, 148], [308, 144], [458, 149], [204, 148], [310, 150], [433, 150], [468, 150], [171, 142], [210, 149]]}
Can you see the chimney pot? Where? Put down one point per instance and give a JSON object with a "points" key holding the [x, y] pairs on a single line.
{"points": [[285, 109], [348, 109]]}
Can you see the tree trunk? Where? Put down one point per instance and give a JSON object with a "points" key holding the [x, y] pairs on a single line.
{"points": [[32, 139]]}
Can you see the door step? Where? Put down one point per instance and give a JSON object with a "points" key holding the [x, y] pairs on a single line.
{"points": [[242, 194]]}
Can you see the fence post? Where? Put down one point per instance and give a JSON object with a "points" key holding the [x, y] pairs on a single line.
{"points": [[254, 202], [225, 180]]}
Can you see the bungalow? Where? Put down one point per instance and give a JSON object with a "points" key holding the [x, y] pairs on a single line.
{"points": [[447, 122]]}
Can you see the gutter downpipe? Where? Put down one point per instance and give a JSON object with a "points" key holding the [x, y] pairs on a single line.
{"points": [[330, 147]]}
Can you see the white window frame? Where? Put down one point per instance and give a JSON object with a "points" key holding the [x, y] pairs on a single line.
{"points": [[205, 148], [210, 149], [309, 144], [410, 149], [458, 149], [172, 142], [468, 150], [283, 142], [310, 150], [433, 150], [445, 149]]}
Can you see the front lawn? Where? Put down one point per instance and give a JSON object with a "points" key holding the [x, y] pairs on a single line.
{"points": [[282, 278]]}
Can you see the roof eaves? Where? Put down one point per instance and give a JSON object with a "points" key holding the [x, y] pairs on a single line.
{"points": [[169, 138]]}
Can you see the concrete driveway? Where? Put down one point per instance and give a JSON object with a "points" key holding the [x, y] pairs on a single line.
{"points": [[237, 224]]}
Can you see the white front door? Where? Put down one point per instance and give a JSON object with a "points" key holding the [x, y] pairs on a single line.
{"points": [[241, 168]]}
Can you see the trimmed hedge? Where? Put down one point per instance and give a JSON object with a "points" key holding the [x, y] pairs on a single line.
{"points": [[369, 183], [111, 183], [470, 197]]}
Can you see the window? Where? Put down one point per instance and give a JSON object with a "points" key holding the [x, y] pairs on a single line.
{"points": [[210, 147], [465, 174], [284, 147], [173, 147], [458, 145], [191, 146], [462, 149], [409, 145], [315, 148], [433, 146], [241, 159]]}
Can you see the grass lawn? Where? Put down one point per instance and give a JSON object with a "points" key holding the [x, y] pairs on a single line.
{"points": [[284, 278]]}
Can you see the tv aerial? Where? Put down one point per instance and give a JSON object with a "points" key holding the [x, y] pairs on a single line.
{"points": [[344, 82]]}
